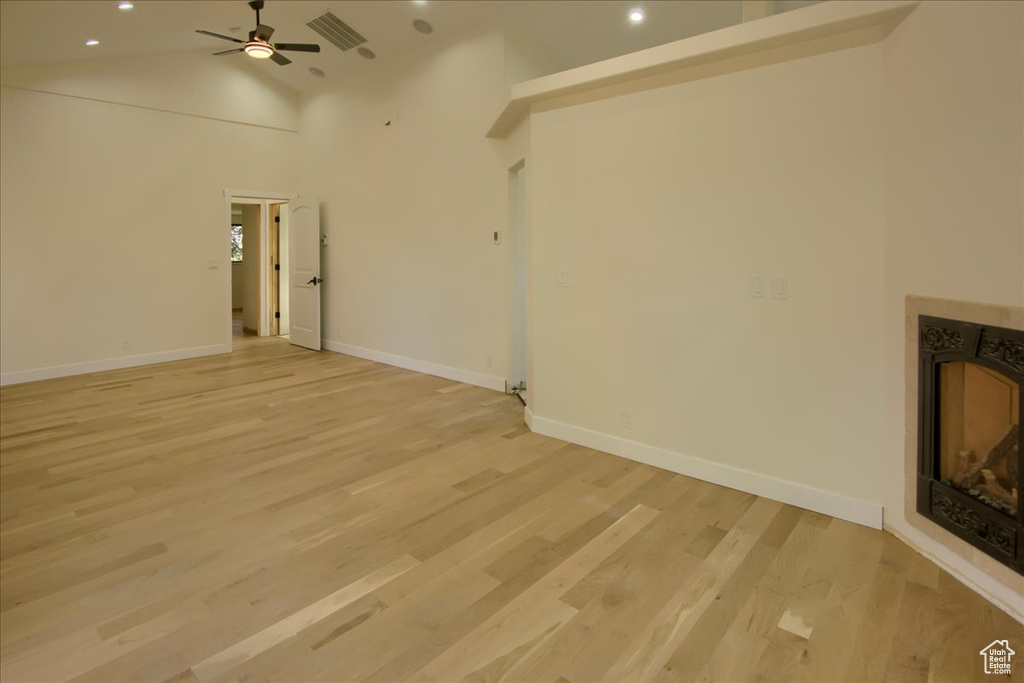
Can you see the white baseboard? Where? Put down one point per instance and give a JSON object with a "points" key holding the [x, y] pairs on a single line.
{"points": [[800, 495], [456, 374], [52, 372], [528, 418]]}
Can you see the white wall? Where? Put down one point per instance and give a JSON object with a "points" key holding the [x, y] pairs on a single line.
{"points": [[954, 131], [414, 204], [661, 205], [409, 208], [185, 82], [85, 263], [526, 59], [862, 176]]}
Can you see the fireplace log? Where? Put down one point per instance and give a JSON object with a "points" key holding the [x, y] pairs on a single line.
{"points": [[967, 462], [997, 490], [1004, 450]]}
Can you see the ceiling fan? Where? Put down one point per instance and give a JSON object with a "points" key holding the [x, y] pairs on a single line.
{"points": [[259, 45]]}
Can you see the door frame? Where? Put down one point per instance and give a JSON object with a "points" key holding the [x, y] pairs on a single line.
{"points": [[264, 199], [518, 298]]}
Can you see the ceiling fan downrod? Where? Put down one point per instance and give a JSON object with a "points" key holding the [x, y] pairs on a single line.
{"points": [[256, 5]]}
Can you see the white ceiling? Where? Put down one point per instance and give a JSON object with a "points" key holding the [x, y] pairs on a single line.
{"points": [[570, 32]]}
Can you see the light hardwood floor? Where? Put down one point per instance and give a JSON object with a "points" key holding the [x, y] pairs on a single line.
{"points": [[284, 515]]}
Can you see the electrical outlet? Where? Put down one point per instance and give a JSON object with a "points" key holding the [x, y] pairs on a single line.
{"points": [[488, 360], [627, 419], [126, 345]]}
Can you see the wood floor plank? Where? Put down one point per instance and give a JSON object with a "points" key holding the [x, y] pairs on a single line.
{"points": [[538, 612], [624, 592], [663, 635], [277, 514]]}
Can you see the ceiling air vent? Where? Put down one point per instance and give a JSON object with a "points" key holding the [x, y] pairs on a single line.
{"points": [[337, 31]]}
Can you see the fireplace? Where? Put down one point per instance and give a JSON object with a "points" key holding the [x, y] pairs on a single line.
{"points": [[969, 474]]}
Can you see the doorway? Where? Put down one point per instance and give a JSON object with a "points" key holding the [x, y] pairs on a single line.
{"points": [[259, 265], [245, 231], [517, 254]]}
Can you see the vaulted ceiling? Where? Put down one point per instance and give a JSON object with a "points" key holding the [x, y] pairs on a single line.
{"points": [[568, 32]]}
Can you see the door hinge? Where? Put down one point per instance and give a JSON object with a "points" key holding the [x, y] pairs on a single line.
{"points": [[277, 314], [277, 219], [277, 266]]}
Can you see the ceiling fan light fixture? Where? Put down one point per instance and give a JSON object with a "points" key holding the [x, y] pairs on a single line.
{"points": [[258, 49], [259, 46]]}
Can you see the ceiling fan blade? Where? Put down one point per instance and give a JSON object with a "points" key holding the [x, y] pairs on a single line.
{"points": [[297, 47], [280, 59], [217, 35], [264, 32], [228, 52]]}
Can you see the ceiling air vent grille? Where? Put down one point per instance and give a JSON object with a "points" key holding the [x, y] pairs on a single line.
{"points": [[337, 31]]}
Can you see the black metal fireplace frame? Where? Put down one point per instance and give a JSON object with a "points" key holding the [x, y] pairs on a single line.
{"points": [[941, 341]]}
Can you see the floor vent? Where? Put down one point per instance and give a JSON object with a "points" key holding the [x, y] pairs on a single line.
{"points": [[337, 31]]}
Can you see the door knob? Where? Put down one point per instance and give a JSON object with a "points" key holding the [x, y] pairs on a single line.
{"points": [[315, 281]]}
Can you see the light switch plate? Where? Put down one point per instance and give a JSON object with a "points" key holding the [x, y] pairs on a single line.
{"points": [[780, 288], [561, 278], [757, 286]]}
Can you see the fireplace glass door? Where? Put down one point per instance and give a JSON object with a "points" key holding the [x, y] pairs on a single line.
{"points": [[978, 433]]}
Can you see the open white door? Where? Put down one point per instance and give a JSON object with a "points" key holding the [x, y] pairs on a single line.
{"points": [[304, 285]]}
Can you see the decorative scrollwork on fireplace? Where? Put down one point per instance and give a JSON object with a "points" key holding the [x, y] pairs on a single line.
{"points": [[1000, 537], [940, 338], [1008, 351]]}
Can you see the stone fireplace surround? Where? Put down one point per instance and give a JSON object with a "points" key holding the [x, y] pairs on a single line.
{"points": [[983, 314]]}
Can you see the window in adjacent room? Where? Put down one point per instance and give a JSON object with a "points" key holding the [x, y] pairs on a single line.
{"points": [[236, 243]]}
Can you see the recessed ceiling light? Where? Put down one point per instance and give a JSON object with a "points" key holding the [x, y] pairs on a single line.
{"points": [[419, 2], [91, 43], [636, 15], [319, 73], [422, 26], [125, 6]]}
